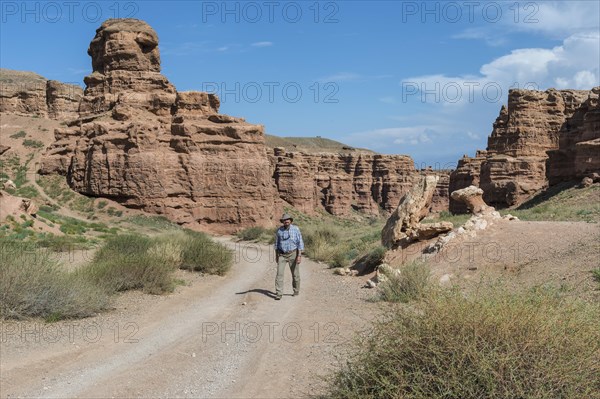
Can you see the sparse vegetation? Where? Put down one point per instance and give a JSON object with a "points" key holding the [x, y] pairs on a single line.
{"points": [[123, 263], [257, 234], [491, 344], [562, 202], [412, 283], [445, 216], [200, 253], [33, 143], [339, 242], [19, 135], [34, 285], [596, 275]]}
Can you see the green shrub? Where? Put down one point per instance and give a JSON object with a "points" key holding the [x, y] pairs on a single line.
{"points": [[411, 284], [323, 243], [596, 274], [19, 135], [124, 263], [62, 243], [202, 254], [33, 143], [257, 234], [494, 344], [27, 192], [33, 285]]}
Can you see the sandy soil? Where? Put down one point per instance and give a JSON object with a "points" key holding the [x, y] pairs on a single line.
{"points": [[218, 337]]}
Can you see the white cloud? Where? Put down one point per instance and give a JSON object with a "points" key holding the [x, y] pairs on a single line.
{"points": [[574, 64], [554, 19], [262, 44], [558, 18]]}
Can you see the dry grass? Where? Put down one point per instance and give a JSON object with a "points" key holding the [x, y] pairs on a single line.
{"points": [[492, 344], [34, 285]]}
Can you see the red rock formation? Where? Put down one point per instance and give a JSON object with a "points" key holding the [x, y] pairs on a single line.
{"points": [[578, 152], [522, 151], [466, 174], [147, 146], [339, 183], [27, 93]]}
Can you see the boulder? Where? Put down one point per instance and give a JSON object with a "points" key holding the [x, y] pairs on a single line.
{"points": [[472, 197], [402, 227]]}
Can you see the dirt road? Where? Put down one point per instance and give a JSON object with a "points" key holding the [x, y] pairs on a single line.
{"points": [[219, 337]]}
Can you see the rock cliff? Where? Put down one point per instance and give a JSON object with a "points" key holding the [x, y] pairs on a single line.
{"points": [[340, 183], [542, 137], [27, 93], [145, 145], [355, 180]]}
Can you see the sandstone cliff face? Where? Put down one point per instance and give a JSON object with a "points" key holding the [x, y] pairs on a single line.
{"points": [[27, 93], [466, 174], [147, 146], [578, 152], [522, 155], [340, 183]]}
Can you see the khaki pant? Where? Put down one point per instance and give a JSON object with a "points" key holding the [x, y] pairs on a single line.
{"points": [[294, 267]]}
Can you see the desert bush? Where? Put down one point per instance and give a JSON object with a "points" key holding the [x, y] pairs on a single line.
{"points": [[125, 263], [412, 283], [33, 143], [324, 244], [596, 275], [492, 344], [202, 254], [257, 234], [62, 243], [19, 135], [34, 285]]}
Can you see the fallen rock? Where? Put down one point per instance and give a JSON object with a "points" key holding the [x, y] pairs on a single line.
{"points": [[472, 197], [9, 184], [586, 182], [4, 148], [29, 207], [402, 227], [426, 231]]}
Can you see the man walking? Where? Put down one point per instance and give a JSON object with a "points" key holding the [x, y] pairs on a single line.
{"points": [[288, 249]]}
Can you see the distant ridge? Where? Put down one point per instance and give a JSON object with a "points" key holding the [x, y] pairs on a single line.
{"points": [[312, 145]]}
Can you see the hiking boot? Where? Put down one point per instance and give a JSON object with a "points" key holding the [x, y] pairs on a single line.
{"points": [[296, 293], [278, 297]]}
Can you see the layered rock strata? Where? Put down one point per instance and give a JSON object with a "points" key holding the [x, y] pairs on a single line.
{"points": [[540, 138], [27, 93], [340, 183], [145, 145]]}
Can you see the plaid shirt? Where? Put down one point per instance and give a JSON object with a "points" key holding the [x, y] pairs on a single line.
{"points": [[288, 240]]}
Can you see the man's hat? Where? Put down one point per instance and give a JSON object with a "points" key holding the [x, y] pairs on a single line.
{"points": [[286, 216]]}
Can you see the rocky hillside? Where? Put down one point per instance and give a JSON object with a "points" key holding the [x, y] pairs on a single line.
{"points": [[541, 138], [27, 93], [312, 145], [142, 143], [138, 141]]}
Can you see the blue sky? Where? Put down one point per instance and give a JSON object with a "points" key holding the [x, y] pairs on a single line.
{"points": [[425, 79]]}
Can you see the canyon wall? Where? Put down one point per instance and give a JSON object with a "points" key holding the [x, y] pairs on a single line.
{"points": [[541, 138], [27, 93]]}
